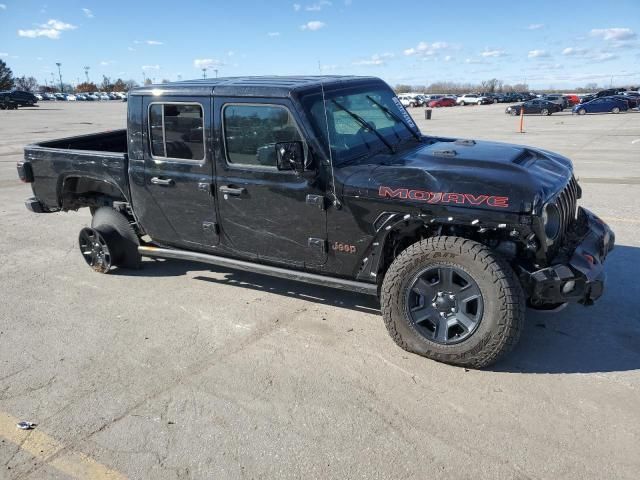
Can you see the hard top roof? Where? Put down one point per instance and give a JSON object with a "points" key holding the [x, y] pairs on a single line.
{"points": [[267, 86]]}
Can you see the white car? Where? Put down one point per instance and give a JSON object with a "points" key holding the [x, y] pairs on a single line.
{"points": [[104, 96], [472, 99], [38, 96], [71, 97]]}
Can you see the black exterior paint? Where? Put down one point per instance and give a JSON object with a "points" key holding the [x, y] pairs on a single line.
{"points": [[273, 221]]}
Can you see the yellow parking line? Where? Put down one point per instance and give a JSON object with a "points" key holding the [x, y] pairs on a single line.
{"points": [[50, 451]]}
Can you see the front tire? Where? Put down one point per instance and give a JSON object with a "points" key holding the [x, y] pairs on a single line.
{"points": [[544, 111], [454, 301], [615, 110], [582, 111]]}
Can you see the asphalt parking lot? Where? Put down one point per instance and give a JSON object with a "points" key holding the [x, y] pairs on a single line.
{"points": [[181, 370]]}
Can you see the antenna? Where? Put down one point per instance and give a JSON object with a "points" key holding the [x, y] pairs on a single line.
{"points": [[336, 202]]}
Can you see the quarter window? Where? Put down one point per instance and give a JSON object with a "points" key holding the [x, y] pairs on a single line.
{"points": [[177, 131], [252, 131]]}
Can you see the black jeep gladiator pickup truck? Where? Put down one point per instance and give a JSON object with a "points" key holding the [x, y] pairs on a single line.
{"points": [[327, 180]]}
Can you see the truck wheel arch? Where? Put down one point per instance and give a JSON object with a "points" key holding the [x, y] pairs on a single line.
{"points": [[77, 191]]}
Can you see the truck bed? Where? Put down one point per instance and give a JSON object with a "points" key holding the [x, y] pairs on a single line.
{"points": [[56, 166]]}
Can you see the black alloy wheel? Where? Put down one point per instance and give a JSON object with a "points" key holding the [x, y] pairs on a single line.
{"points": [[444, 304], [95, 250]]}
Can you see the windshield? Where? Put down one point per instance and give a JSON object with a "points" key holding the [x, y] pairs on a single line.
{"points": [[346, 112]]}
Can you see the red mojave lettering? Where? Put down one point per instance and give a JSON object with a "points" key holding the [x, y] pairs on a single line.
{"points": [[443, 197]]}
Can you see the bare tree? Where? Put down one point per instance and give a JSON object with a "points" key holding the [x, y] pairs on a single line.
{"points": [[129, 84], [27, 84]]}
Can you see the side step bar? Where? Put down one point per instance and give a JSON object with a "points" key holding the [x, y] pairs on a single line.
{"points": [[331, 282]]}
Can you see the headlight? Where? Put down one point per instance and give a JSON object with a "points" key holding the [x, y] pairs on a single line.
{"points": [[551, 221]]}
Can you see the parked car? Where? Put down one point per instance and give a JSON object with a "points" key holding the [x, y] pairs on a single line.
{"points": [[442, 102], [22, 99], [38, 96], [632, 101], [81, 97], [104, 96], [48, 96], [92, 97], [539, 105], [71, 97], [573, 99], [473, 99], [455, 254], [602, 105], [60, 97], [557, 98], [609, 91]]}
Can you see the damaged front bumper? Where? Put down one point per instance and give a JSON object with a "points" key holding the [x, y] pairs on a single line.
{"points": [[580, 279]]}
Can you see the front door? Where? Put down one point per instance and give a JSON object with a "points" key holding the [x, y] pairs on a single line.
{"points": [[276, 215], [179, 172]]}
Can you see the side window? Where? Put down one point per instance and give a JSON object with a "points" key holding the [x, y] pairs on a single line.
{"points": [[252, 131], [177, 130]]}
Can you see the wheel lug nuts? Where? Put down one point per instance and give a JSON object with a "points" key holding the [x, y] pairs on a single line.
{"points": [[452, 297], [434, 304], [453, 310]]}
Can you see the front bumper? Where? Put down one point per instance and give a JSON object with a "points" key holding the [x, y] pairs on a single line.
{"points": [[580, 279]]}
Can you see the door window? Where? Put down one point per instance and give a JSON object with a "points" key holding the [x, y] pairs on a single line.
{"points": [[252, 131], [176, 131]]}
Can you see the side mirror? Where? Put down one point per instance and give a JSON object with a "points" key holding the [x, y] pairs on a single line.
{"points": [[290, 156]]}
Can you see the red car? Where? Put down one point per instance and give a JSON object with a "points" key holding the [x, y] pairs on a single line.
{"points": [[443, 102]]}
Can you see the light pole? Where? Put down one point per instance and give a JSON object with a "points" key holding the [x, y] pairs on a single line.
{"points": [[216, 70], [86, 73], [204, 73], [53, 80], [60, 75]]}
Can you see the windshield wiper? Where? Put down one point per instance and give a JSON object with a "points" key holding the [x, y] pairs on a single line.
{"points": [[364, 124], [395, 117]]}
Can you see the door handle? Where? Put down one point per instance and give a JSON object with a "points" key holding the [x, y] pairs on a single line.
{"points": [[167, 182], [229, 190]]}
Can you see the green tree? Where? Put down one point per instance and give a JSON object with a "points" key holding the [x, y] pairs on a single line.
{"points": [[6, 77]]}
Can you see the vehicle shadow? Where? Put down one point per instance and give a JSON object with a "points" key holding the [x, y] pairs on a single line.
{"points": [[258, 282], [602, 338]]}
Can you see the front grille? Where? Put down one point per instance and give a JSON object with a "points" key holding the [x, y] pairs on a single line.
{"points": [[567, 203]]}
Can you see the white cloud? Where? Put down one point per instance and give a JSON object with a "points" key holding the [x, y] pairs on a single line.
{"points": [[4, 54], [150, 67], [448, 58], [474, 61], [493, 53], [201, 63], [297, 7], [375, 60], [106, 63], [574, 51], [3, 6], [153, 42], [52, 29], [538, 54], [425, 49], [535, 26], [603, 57], [313, 25], [327, 68], [87, 13], [613, 33], [316, 7], [273, 34]]}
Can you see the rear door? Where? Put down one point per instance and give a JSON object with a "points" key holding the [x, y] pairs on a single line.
{"points": [[276, 215], [179, 208]]}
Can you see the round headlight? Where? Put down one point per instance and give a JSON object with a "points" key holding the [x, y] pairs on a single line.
{"points": [[551, 220]]}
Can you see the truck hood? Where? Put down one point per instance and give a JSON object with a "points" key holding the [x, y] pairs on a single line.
{"points": [[464, 173]]}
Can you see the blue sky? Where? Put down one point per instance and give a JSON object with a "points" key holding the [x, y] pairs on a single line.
{"points": [[546, 43]]}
